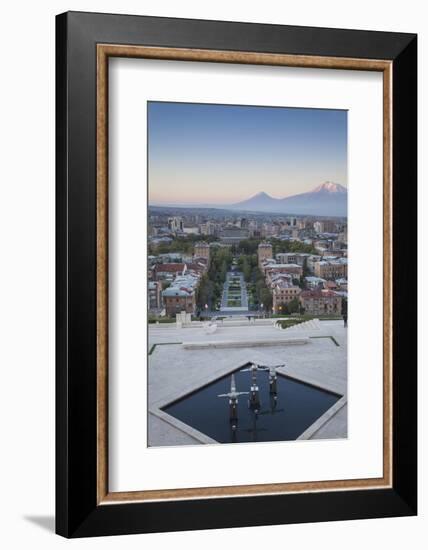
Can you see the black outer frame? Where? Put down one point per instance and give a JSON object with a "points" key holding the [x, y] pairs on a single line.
{"points": [[77, 513]]}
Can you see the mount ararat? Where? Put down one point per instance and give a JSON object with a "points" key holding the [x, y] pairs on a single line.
{"points": [[327, 199]]}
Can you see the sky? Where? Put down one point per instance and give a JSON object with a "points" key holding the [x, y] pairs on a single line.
{"points": [[221, 154]]}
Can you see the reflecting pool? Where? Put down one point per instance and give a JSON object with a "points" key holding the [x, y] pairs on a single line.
{"points": [[267, 411]]}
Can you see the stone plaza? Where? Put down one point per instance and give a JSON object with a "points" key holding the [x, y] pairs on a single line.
{"points": [[187, 355]]}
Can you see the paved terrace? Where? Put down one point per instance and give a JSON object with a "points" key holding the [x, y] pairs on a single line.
{"points": [[310, 354]]}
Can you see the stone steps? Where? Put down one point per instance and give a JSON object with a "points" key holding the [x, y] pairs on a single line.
{"points": [[313, 324]]}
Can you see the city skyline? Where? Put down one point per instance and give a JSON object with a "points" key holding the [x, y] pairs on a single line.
{"points": [[221, 154]]}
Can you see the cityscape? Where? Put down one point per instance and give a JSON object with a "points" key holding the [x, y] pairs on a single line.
{"points": [[248, 294]]}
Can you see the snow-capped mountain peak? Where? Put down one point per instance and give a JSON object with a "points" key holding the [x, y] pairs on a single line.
{"points": [[328, 199], [330, 187], [262, 194]]}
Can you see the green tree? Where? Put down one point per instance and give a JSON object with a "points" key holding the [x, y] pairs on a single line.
{"points": [[294, 306], [246, 269], [221, 259], [248, 246], [284, 309], [292, 246], [204, 293], [265, 298]]}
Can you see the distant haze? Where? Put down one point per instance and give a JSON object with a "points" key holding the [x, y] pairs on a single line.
{"points": [[222, 154], [327, 199]]}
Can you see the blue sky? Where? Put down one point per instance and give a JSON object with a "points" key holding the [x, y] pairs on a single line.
{"points": [[225, 153]]}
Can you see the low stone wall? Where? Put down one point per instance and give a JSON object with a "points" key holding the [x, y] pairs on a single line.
{"points": [[245, 343], [231, 323]]}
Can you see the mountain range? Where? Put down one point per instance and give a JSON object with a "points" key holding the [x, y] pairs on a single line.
{"points": [[327, 199]]}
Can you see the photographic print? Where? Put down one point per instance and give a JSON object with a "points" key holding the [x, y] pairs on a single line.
{"points": [[202, 307], [247, 258]]}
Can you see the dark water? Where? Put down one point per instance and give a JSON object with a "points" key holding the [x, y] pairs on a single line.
{"points": [[297, 406]]}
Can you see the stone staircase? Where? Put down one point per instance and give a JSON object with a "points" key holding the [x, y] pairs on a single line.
{"points": [[313, 324]]}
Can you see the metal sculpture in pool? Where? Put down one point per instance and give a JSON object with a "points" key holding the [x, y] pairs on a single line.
{"points": [[278, 408]]}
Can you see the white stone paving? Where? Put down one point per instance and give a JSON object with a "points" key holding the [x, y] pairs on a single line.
{"points": [[175, 371]]}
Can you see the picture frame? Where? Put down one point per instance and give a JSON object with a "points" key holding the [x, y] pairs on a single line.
{"points": [[84, 44]]}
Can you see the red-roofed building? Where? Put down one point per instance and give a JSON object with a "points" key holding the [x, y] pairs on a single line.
{"points": [[199, 265], [167, 271], [271, 269], [330, 285]]}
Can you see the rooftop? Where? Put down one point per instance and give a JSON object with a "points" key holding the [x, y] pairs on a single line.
{"points": [[338, 261], [285, 284], [183, 285], [172, 267], [312, 279], [283, 266], [319, 293]]}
